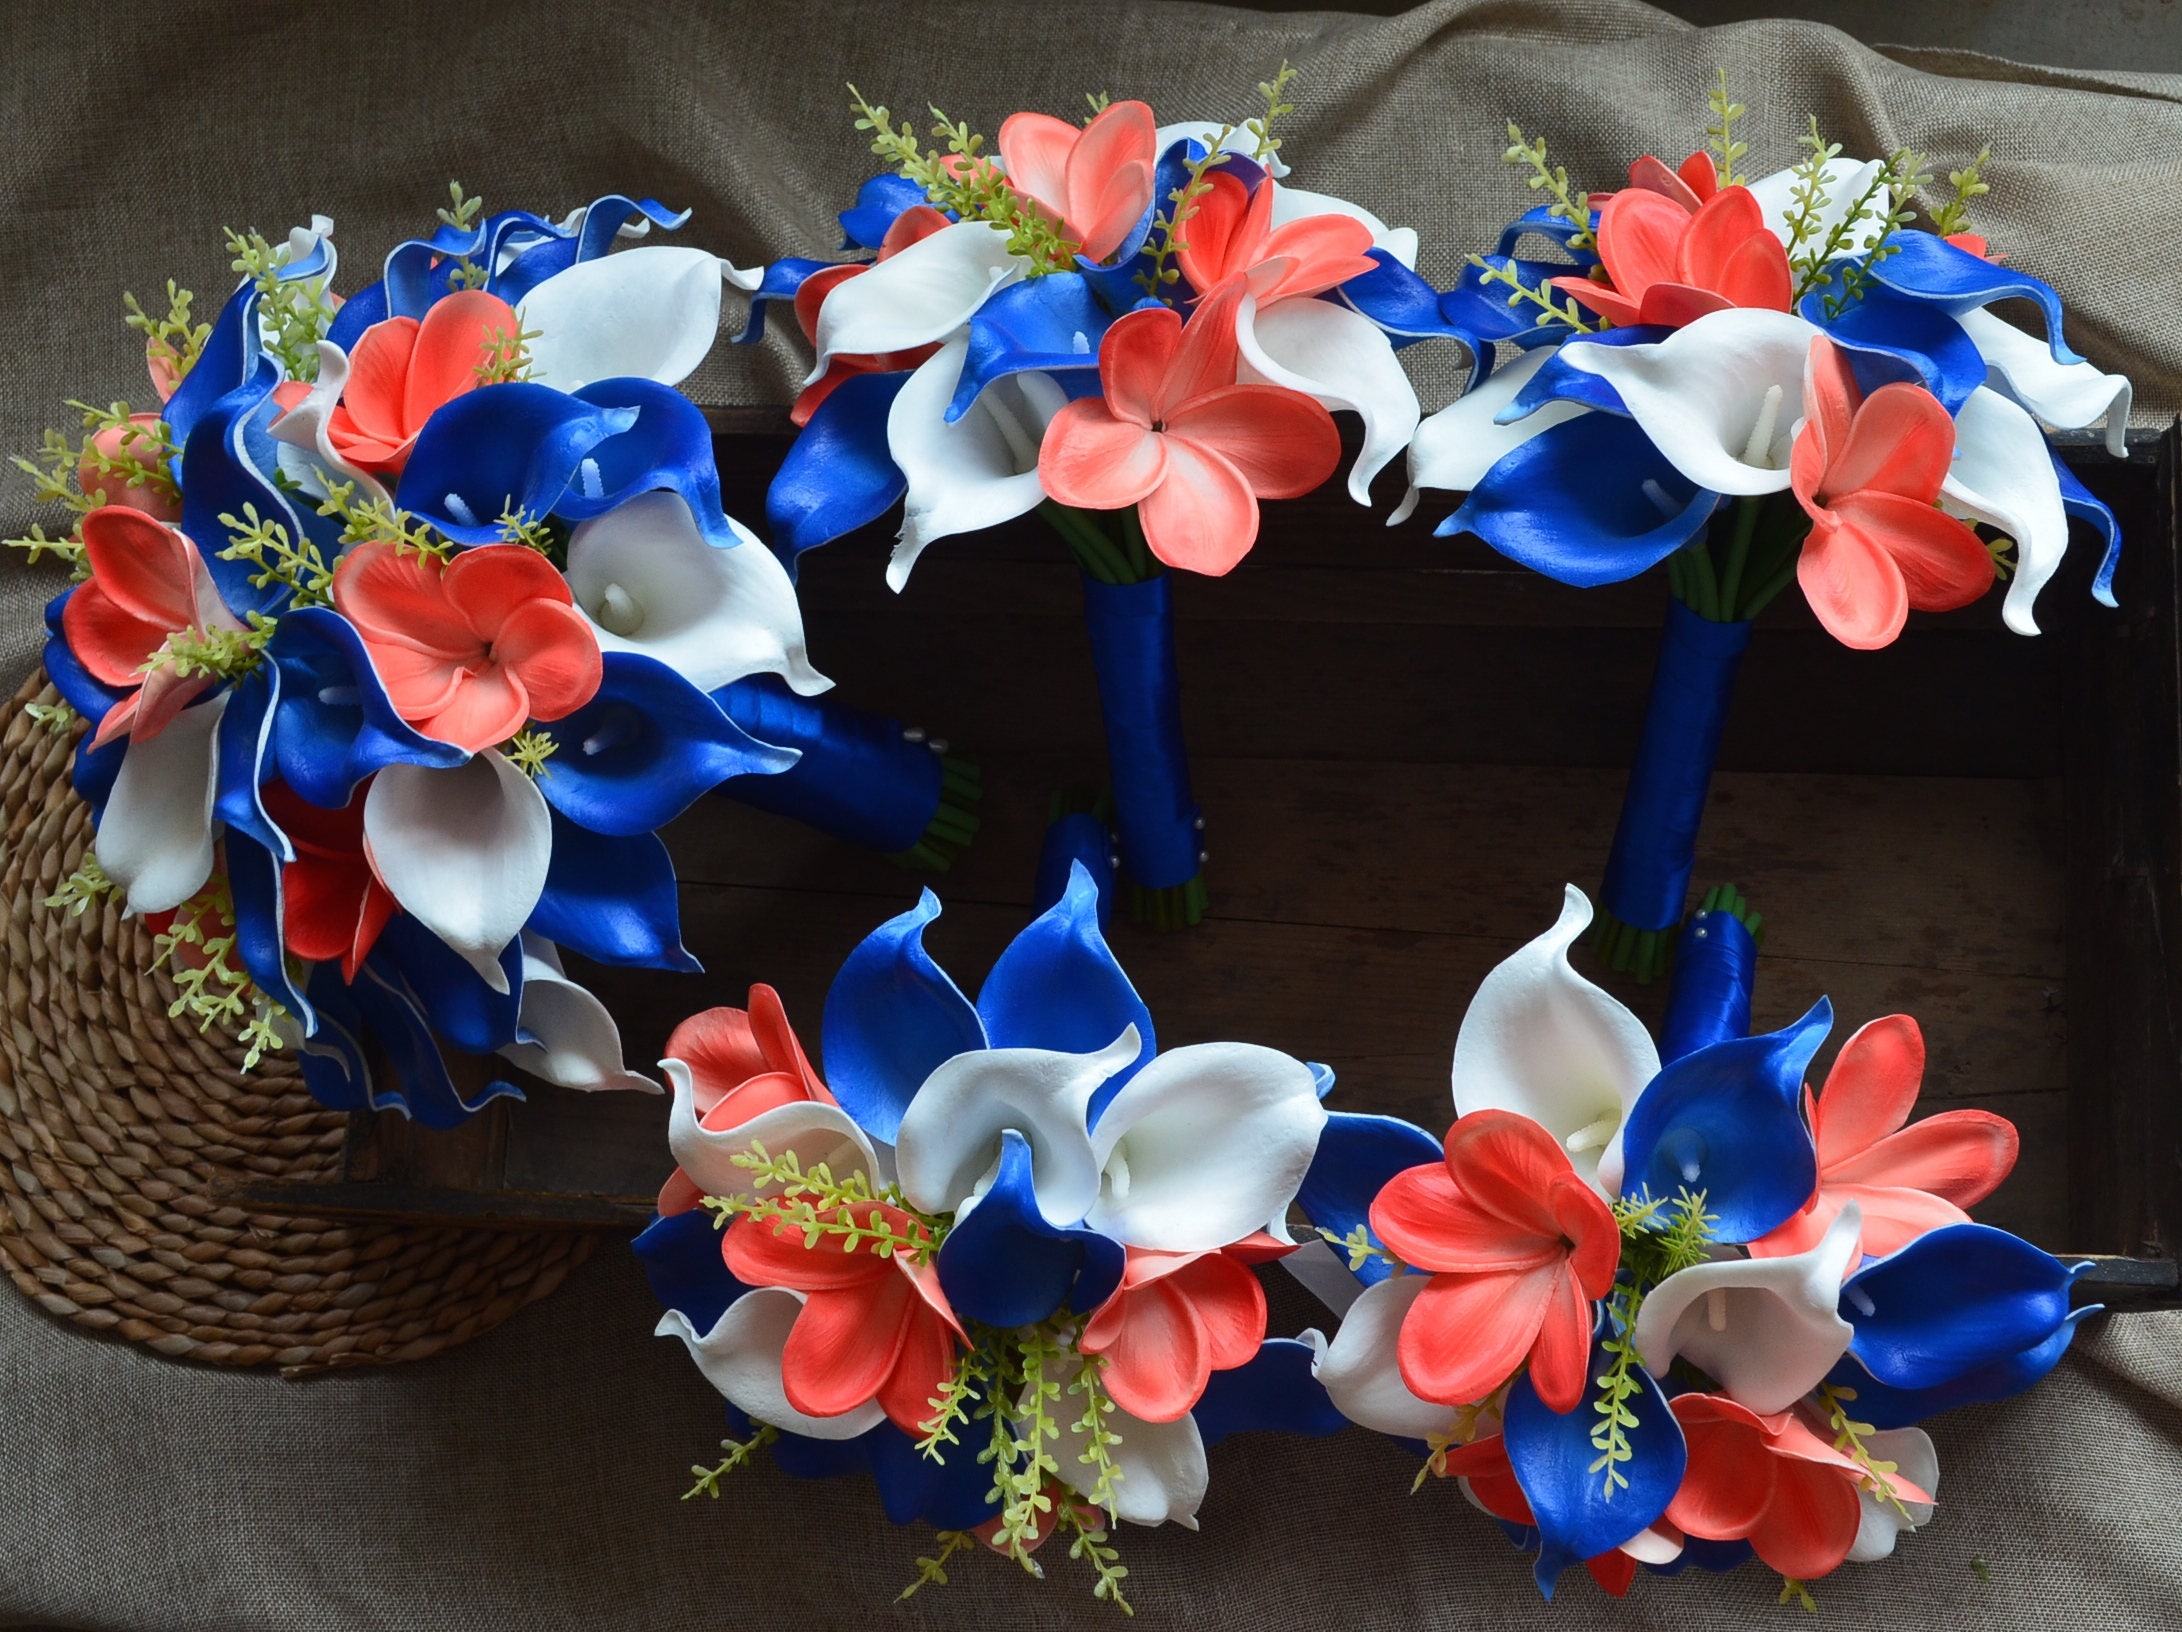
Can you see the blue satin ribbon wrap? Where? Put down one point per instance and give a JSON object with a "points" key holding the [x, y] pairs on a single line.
{"points": [[858, 779], [1715, 967], [1655, 843], [1140, 694]]}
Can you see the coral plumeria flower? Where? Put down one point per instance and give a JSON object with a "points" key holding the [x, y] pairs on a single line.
{"points": [[871, 1328], [471, 648], [404, 368], [1518, 1248], [1096, 181], [1676, 245], [147, 585], [1868, 470], [1771, 1481], [1176, 1318], [1906, 1180], [1231, 234], [136, 443], [742, 1063], [1177, 437], [912, 226], [333, 906]]}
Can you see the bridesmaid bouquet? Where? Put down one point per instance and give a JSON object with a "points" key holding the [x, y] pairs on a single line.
{"points": [[1133, 329], [399, 627], [1662, 1305], [1760, 382], [1000, 1255]]}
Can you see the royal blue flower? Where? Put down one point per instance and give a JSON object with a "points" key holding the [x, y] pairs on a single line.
{"points": [[1923, 267], [505, 449], [839, 476], [1004, 1265], [880, 202], [780, 281], [669, 446], [683, 1262], [892, 1016], [1410, 309], [1356, 1156], [612, 899], [1275, 1391], [1884, 1406], [1053, 325], [334, 725], [1956, 1299], [1889, 338]]}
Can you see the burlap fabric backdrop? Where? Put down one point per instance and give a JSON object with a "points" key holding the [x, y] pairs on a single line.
{"points": [[529, 1479]]}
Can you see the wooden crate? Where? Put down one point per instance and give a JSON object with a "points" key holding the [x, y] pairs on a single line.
{"points": [[1404, 746]]}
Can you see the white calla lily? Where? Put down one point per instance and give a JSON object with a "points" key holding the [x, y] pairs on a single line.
{"points": [[1297, 204], [1718, 397], [810, 1130], [1542, 1041], [2003, 474], [1162, 1467], [950, 1134], [740, 1357], [651, 583], [1344, 360], [572, 1039], [155, 835], [1769, 1329], [979, 471], [923, 294], [2067, 396], [1848, 183], [1360, 1370], [303, 427], [1881, 1523], [464, 850], [1204, 1145], [650, 313], [1455, 447]]}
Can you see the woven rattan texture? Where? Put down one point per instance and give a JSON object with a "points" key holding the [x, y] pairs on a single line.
{"points": [[119, 1127]]}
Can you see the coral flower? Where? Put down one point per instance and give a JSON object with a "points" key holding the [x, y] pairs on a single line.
{"points": [[333, 905], [1906, 1180], [1096, 181], [1773, 1482], [403, 369], [1518, 1248], [1176, 1318], [742, 1063], [1177, 437], [1676, 245], [1231, 234], [470, 649], [1869, 469], [870, 1328], [137, 442], [147, 584], [912, 226]]}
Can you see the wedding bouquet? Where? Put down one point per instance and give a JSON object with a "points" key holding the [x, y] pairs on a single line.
{"points": [[399, 627], [1758, 382], [1133, 329], [1000, 1255], [1662, 1304]]}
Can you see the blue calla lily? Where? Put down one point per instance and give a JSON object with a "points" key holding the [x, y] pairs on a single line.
{"points": [[450, 994], [1956, 1299], [683, 1262], [839, 476], [669, 446], [332, 1057], [780, 281], [950, 1493], [245, 743], [2080, 504], [254, 887], [333, 725], [1053, 325], [646, 744], [1274, 1391], [1003, 1264], [1356, 1155], [1579, 1515], [92, 775], [230, 460], [801, 1457], [1890, 339], [79, 690], [501, 449], [892, 1016], [879, 203], [1884, 1406], [1928, 268], [1575, 503], [1483, 308], [423, 270], [1077, 840], [1560, 380], [359, 312], [425, 1092], [1058, 986], [1408, 309], [1727, 1119], [612, 899], [230, 358], [1543, 223]]}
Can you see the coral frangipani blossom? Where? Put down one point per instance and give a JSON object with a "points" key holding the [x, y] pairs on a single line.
{"points": [[1677, 245], [404, 368], [1095, 180], [1230, 234], [1176, 1318]]}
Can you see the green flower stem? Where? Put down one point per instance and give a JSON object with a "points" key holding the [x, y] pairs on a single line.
{"points": [[1095, 551], [1738, 554]]}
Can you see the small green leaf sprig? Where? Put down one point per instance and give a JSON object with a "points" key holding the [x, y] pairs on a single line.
{"points": [[174, 339], [1720, 133], [960, 177], [294, 312], [1659, 1238]]}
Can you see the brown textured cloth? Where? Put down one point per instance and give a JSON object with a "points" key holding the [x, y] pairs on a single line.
{"points": [[529, 1479]]}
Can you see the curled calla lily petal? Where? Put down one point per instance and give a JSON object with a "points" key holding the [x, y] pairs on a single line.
{"points": [[839, 476], [913, 298], [1005, 1265], [1050, 324], [1454, 448], [2068, 396], [566, 1034], [611, 897], [1848, 183], [951, 1132], [335, 724], [810, 1129], [1341, 359], [892, 1017], [505, 449], [1769, 1329], [740, 1356], [1542, 1041], [1362, 1374], [685, 1268], [1718, 397], [1916, 1460], [465, 850], [651, 312], [155, 835], [1954, 1300], [2003, 475], [1204, 1145], [1162, 1464], [304, 425]]}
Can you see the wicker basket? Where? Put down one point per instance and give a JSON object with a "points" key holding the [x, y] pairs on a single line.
{"points": [[120, 1127]]}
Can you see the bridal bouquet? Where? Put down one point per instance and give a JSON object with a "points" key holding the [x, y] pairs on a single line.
{"points": [[1760, 382], [1000, 1255], [1662, 1304], [401, 624], [1133, 329]]}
